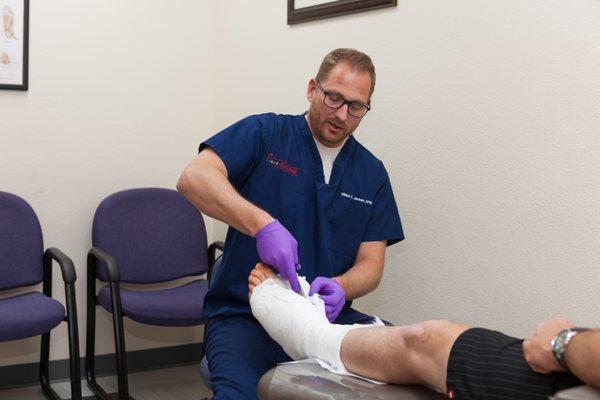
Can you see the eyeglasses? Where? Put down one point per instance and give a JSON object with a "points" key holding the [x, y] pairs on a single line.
{"points": [[336, 101]]}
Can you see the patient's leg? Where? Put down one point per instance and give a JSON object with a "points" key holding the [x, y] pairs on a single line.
{"points": [[402, 354], [413, 354]]}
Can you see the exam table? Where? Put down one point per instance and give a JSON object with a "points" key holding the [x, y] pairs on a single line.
{"points": [[311, 382]]}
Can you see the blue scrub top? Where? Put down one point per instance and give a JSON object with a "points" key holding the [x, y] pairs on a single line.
{"points": [[273, 161]]}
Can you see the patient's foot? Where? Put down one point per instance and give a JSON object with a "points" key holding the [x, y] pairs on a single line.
{"points": [[297, 323], [260, 273]]}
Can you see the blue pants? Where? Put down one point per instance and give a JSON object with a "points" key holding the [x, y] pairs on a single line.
{"points": [[240, 351]]}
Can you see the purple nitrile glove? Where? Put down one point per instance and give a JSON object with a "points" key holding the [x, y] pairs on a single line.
{"points": [[277, 247], [332, 294]]}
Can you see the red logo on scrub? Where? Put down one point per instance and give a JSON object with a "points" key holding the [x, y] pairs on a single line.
{"points": [[282, 165]]}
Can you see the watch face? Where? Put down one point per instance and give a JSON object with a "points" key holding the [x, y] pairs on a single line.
{"points": [[560, 340], [553, 343]]}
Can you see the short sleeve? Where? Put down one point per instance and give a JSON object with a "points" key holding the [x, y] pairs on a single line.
{"points": [[239, 146], [384, 221]]}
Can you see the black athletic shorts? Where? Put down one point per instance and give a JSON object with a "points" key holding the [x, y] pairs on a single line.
{"points": [[489, 365]]}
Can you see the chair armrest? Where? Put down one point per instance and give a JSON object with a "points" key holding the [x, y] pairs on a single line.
{"points": [[212, 256], [112, 268], [212, 252], [66, 265], [578, 393]]}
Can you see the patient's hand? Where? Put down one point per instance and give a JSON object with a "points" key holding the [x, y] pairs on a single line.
{"points": [[261, 272], [536, 347]]}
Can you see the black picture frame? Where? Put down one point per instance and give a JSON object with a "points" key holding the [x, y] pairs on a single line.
{"points": [[333, 9], [24, 35]]}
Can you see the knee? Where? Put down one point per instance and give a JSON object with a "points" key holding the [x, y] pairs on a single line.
{"points": [[427, 334]]}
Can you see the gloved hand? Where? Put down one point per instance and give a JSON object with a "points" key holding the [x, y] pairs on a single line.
{"points": [[332, 294], [277, 247]]}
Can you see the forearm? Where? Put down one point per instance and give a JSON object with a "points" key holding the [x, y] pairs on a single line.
{"points": [[356, 282], [583, 357], [366, 273], [206, 186]]}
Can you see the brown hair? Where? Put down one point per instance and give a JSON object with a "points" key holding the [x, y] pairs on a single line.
{"points": [[354, 58]]}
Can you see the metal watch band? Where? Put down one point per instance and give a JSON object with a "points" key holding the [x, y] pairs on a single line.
{"points": [[560, 342]]}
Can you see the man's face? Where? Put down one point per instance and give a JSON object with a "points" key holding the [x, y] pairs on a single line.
{"points": [[332, 126]]}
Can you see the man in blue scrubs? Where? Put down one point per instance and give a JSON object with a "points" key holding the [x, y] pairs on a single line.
{"points": [[302, 195]]}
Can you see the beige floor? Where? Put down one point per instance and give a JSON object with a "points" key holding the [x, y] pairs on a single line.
{"points": [[164, 384]]}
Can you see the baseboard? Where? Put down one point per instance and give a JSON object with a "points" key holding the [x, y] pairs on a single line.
{"points": [[27, 374]]}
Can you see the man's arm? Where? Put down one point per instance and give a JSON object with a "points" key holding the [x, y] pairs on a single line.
{"points": [[583, 357], [582, 354], [204, 182], [364, 276]]}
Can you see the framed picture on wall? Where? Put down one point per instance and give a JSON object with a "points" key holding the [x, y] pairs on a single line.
{"points": [[310, 10], [14, 44]]}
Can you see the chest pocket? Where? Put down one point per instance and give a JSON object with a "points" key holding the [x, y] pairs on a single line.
{"points": [[276, 190], [347, 219]]}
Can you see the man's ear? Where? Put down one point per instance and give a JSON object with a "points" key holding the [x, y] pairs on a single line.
{"points": [[310, 92]]}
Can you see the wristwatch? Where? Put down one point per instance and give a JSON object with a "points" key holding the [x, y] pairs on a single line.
{"points": [[559, 344]]}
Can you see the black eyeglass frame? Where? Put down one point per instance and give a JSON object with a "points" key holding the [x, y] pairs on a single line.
{"points": [[344, 101]]}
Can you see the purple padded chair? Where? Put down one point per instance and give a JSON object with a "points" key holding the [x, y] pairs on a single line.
{"points": [[23, 262], [145, 236]]}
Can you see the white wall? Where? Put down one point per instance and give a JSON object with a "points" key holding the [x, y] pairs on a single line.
{"points": [[486, 115], [120, 95]]}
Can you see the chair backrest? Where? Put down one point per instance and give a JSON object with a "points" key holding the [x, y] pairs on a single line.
{"points": [[156, 235], [21, 244]]}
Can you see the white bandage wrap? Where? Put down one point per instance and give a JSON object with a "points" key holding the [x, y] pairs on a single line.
{"points": [[299, 324]]}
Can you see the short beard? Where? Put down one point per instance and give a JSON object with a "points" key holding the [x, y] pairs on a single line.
{"points": [[313, 124]]}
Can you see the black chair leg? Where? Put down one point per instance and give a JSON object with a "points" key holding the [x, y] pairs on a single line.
{"points": [[90, 353], [74, 366], [119, 341], [44, 367], [90, 341], [74, 357], [75, 371]]}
